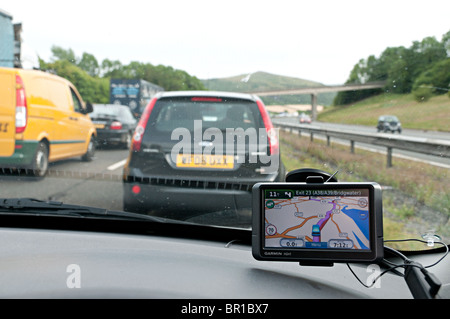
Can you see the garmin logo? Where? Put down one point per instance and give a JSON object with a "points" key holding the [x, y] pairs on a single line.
{"points": [[273, 253]]}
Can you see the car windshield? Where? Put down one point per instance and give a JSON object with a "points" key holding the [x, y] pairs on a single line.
{"points": [[198, 101], [389, 118]]}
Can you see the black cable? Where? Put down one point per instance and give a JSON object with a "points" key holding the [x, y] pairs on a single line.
{"points": [[423, 241], [382, 273], [406, 261], [396, 252]]}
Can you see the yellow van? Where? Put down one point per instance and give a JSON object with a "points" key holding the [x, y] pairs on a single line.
{"points": [[42, 119]]}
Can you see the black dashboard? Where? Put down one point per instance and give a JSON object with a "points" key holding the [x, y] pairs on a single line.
{"points": [[69, 263]]}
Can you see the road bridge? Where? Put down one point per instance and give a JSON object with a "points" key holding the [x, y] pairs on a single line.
{"points": [[314, 91]]}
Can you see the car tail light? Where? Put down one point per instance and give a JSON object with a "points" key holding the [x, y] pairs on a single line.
{"points": [[140, 128], [21, 106], [116, 125], [271, 132]]}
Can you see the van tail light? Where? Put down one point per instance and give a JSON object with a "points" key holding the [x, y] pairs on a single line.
{"points": [[21, 106], [271, 132], [116, 125], [140, 128]]}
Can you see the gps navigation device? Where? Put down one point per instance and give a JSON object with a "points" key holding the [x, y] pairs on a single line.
{"points": [[317, 223]]}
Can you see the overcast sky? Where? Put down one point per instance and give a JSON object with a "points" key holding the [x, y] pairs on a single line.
{"points": [[316, 40]]}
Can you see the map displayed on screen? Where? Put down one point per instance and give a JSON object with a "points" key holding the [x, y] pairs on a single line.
{"points": [[317, 219]]}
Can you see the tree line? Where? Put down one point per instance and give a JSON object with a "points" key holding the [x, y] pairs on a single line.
{"points": [[91, 78], [422, 69]]}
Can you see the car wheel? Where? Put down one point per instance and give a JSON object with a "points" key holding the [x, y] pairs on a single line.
{"points": [[89, 155], [39, 166]]}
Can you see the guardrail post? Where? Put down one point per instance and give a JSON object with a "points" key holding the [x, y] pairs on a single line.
{"points": [[314, 106], [389, 157], [312, 137], [328, 140], [352, 147]]}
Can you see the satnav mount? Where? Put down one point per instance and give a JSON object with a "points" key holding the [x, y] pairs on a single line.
{"points": [[310, 175]]}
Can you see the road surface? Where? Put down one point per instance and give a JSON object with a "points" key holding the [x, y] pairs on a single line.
{"points": [[97, 183]]}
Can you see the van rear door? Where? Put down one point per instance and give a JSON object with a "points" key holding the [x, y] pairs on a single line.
{"points": [[7, 112]]}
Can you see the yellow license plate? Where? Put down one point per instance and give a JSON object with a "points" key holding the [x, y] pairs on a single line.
{"points": [[205, 161], [99, 125]]}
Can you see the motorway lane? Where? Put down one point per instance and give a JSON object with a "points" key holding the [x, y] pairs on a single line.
{"points": [[369, 129], [433, 160], [73, 181], [405, 132]]}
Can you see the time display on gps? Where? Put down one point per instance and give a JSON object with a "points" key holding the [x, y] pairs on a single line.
{"points": [[316, 218]]}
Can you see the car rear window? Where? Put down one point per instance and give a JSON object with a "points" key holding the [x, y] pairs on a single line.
{"points": [[105, 110], [170, 114]]}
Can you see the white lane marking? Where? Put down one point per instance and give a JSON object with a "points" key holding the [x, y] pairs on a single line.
{"points": [[406, 157], [117, 165]]}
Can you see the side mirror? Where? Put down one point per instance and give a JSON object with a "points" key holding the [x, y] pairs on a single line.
{"points": [[89, 108]]}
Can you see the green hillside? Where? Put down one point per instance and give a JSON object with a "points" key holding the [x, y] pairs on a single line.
{"points": [[263, 81], [433, 114], [257, 82]]}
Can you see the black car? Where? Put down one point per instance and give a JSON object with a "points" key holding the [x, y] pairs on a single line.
{"points": [[115, 124], [389, 123], [200, 151]]}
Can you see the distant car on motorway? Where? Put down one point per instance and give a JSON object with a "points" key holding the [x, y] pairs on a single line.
{"points": [[389, 123], [304, 119], [200, 151], [115, 124]]}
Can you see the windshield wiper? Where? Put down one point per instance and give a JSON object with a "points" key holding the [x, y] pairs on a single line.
{"points": [[164, 226], [39, 207]]}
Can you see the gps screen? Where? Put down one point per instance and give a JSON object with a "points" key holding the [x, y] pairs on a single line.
{"points": [[317, 219]]}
